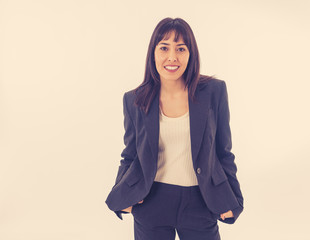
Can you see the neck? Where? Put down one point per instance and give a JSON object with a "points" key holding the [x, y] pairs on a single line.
{"points": [[171, 88]]}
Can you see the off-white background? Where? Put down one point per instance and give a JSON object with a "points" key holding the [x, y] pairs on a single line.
{"points": [[64, 66]]}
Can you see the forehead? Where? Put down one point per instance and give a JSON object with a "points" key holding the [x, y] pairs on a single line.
{"points": [[172, 35]]}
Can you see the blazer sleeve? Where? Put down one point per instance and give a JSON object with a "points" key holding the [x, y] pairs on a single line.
{"points": [[129, 152], [223, 150]]}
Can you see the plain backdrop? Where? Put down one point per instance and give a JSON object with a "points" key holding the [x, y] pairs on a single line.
{"points": [[64, 67]]}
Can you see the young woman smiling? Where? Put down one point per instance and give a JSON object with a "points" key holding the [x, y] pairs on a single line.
{"points": [[178, 173]]}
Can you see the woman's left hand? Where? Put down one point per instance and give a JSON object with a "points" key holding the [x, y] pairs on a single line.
{"points": [[228, 214]]}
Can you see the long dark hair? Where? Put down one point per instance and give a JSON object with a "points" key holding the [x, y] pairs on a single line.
{"points": [[150, 86]]}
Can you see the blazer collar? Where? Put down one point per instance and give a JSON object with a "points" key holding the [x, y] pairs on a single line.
{"points": [[198, 112]]}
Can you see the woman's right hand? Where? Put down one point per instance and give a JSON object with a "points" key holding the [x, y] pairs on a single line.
{"points": [[130, 208]]}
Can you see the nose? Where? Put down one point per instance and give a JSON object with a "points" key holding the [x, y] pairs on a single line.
{"points": [[172, 56]]}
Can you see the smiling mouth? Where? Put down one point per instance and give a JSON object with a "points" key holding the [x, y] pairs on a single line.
{"points": [[171, 67]]}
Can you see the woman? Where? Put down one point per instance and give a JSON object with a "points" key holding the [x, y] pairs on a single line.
{"points": [[178, 172]]}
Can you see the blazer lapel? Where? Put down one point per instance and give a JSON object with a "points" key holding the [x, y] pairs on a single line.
{"points": [[151, 123], [198, 112]]}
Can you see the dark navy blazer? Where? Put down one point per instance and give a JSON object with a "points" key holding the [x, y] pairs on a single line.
{"points": [[211, 146]]}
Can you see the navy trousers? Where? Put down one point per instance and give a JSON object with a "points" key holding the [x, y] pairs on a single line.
{"points": [[168, 209]]}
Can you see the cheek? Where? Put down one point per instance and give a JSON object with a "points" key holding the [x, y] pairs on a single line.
{"points": [[159, 61], [185, 61], [159, 57]]}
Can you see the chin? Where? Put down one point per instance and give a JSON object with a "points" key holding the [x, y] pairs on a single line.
{"points": [[171, 78]]}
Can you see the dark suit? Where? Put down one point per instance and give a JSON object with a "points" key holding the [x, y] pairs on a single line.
{"points": [[211, 145]]}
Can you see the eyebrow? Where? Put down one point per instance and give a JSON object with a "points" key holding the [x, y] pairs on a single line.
{"points": [[169, 44]]}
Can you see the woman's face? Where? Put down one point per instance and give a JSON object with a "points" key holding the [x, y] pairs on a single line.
{"points": [[171, 58]]}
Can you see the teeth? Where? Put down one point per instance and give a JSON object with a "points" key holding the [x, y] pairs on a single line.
{"points": [[171, 68]]}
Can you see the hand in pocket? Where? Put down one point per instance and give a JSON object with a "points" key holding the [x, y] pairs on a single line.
{"points": [[228, 214], [130, 208]]}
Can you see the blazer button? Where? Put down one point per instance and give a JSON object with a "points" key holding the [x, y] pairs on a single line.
{"points": [[198, 170]]}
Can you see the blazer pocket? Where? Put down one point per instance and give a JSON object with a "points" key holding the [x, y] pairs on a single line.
{"points": [[132, 180], [218, 174]]}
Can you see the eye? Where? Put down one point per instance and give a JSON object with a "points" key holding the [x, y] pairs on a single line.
{"points": [[163, 48], [182, 49]]}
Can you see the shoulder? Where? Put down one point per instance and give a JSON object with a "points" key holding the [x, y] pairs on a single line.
{"points": [[207, 83], [129, 96]]}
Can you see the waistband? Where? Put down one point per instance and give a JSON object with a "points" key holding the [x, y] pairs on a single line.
{"points": [[174, 187]]}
